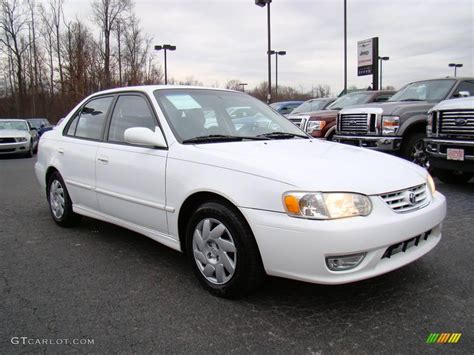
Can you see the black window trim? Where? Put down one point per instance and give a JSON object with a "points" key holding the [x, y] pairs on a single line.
{"points": [[66, 128], [105, 137]]}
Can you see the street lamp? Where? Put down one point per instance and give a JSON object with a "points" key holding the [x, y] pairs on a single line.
{"points": [[242, 85], [276, 53], [455, 65], [262, 3], [165, 47], [381, 60]]}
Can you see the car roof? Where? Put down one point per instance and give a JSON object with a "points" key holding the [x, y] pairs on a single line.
{"points": [[151, 88], [13, 119]]}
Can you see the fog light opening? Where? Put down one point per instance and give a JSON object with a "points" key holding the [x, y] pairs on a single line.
{"points": [[344, 262]]}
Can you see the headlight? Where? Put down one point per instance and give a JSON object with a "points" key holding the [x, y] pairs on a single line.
{"points": [[315, 126], [431, 184], [326, 205], [429, 123], [390, 124], [21, 139]]}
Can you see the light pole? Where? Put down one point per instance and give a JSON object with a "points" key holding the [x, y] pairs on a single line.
{"points": [[262, 3], [277, 53], [165, 47], [381, 60], [242, 85], [345, 47], [455, 66]]}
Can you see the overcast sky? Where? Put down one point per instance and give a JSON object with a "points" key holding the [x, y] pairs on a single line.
{"points": [[219, 40]]}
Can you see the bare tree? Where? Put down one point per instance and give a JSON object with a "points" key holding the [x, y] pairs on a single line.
{"points": [[106, 15], [233, 84], [13, 23], [56, 7]]}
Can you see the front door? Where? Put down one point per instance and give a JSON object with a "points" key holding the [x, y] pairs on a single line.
{"points": [[130, 179]]}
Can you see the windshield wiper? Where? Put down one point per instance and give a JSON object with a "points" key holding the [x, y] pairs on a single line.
{"points": [[221, 138], [212, 138], [412, 100], [281, 135]]}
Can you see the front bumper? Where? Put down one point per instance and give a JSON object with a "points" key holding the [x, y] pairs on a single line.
{"points": [[376, 143], [297, 248], [438, 157], [14, 148]]}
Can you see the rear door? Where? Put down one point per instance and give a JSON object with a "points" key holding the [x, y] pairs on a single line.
{"points": [[131, 178], [76, 152]]}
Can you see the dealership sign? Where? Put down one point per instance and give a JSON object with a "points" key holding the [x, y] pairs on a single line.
{"points": [[367, 52]]}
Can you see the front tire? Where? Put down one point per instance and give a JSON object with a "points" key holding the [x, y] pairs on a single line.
{"points": [[222, 251], [452, 177], [60, 204], [413, 149], [29, 153]]}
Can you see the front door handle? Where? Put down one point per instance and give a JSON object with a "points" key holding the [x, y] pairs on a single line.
{"points": [[60, 150], [103, 159]]}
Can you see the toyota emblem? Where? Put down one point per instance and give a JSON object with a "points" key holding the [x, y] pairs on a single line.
{"points": [[412, 198]]}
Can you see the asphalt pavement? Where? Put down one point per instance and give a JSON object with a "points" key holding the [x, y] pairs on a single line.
{"points": [[98, 288]]}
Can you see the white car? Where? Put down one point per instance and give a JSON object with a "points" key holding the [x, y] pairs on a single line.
{"points": [[168, 162], [17, 137]]}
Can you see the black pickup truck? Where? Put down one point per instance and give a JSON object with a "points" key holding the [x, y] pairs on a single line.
{"points": [[450, 139], [399, 124]]}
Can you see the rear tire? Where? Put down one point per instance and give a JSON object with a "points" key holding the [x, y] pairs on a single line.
{"points": [[222, 251], [60, 204], [452, 177], [413, 149]]}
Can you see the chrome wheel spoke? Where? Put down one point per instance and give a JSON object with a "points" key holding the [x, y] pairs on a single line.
{"points": [[200, 257], [226, 245], [220, 273], [198, 239], [217, 231], [209, 270], [206, 228], [228, 264]]}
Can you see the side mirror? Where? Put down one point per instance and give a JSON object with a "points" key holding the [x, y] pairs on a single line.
{"points": [[145, 136], [464, 94]]}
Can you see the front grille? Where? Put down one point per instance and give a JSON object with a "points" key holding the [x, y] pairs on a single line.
{"points": [[7, 140], [353, 122], [456, 122], [405, 245], [296, 121], [9, 150], [407, 200]]}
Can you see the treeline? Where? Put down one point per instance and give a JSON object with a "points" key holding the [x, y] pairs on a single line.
{"points": [[48, 63]]}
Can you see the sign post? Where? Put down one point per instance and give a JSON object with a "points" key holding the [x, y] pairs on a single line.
{"points": [[367, 60]]}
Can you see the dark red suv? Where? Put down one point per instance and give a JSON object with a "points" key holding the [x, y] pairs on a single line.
{"points": [[322, 124]]}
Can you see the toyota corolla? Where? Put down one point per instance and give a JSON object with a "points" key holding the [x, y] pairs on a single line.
{"points": [[241, 200]]}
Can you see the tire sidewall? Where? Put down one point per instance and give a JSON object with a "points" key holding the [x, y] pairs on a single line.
{"points": [[67, 215]]}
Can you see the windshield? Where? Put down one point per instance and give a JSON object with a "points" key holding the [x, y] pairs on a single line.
{"points": [[18, 125], [310, 106], [431, 90], [354, 98], [196, 113], [38, 122]]}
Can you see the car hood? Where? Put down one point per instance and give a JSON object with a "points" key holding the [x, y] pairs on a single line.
{"points": [[453, 104], [396, 108], [322, 114], [312, 165], [13, 133]]}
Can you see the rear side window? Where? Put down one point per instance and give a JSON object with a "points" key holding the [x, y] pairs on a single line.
{"points": [[130, 111], [91, 118]]}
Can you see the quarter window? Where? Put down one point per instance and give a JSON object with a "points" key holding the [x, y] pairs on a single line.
{"points": [[92, 118], [130, 111]]}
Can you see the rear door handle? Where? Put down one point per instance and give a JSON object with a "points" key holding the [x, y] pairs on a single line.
{"points": [[60, 150], [103, 159]]}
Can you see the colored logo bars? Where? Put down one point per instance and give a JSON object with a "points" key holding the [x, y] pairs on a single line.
{"points": [[443, 338]]}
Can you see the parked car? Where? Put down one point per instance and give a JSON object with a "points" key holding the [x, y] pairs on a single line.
{"points": [[241, 205], [17, 137], [285, 107], [41, 125], [450, 139], [321, 123], [399, 125]]}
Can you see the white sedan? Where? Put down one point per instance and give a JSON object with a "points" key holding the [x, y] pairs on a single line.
{"points": [[261, 198]]}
